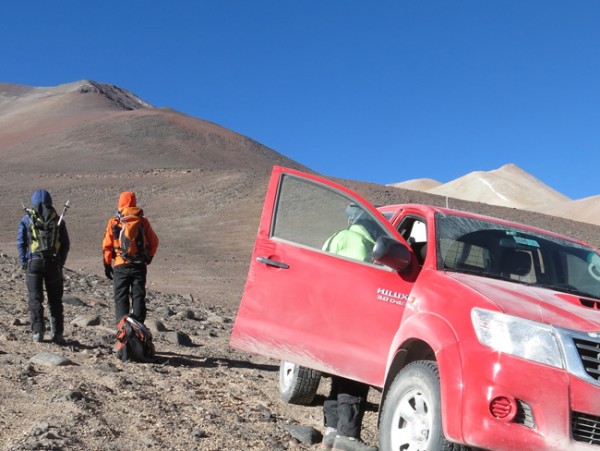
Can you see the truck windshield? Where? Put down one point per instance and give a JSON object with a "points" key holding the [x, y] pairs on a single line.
{"points": [[490, 249]]}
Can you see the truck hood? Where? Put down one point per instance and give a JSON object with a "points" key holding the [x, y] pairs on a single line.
{"points": [[535, 303]]}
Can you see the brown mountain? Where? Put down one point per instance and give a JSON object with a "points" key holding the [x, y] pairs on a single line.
{"points": [[86, 125], [200, 184]]}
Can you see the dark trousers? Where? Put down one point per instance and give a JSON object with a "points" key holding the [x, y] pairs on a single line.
{"points": [[130, 281], [43, 272], [344, 408]]}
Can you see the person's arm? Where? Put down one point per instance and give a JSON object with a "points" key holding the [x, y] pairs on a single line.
{"points": [[108, 244], [22, 241], [65, 243], [152, 240]]}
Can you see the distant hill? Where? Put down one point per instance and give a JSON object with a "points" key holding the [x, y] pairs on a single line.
{"points": [[584, 210], [512, 187]]}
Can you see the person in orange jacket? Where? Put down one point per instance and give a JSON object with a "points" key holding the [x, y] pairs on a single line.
{"points": [[129, 245]]}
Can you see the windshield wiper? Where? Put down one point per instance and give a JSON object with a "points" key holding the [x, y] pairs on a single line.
{"points": [[570, 289], [490, 275]]}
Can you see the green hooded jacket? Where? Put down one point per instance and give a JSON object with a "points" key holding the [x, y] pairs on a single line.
{"points": [[353, 242]]}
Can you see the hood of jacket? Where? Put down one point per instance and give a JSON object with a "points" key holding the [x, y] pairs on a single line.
{"points": [[41, 196], [126, 199], [362, 231]]}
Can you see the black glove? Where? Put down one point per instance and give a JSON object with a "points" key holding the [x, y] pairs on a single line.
{"points": [[108, 271], [149, 259], [24, 266]]}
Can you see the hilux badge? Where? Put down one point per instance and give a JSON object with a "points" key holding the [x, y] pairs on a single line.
{"points": [[393, 297]]}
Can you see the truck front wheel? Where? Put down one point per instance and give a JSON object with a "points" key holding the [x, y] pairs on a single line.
{"points": [[298, 384], [411, 418]]}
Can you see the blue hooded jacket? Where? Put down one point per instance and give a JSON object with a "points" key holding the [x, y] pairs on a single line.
{"points": [[41, 196], [38, 197]]}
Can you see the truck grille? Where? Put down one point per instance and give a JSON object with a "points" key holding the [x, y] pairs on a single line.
{"points": [[589, 352], [585, 428]]}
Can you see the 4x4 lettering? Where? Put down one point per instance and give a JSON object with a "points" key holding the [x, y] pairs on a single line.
{"points": [[393, 297]]}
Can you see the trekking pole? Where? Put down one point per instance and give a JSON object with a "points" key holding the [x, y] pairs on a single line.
{"points": [[63, 212], [28, 210]]}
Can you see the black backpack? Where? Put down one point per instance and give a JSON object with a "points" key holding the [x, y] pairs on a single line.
{"points": [[134, 341], [44, 230]]}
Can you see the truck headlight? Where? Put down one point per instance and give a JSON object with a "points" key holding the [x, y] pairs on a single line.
{"points": [[517, 336]]}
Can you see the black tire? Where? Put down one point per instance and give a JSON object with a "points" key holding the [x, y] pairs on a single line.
{"points": [[297, 384], [411, 418]]}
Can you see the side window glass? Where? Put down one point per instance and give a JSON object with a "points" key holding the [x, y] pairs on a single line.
{"points": [[316, 216], [464, 256], [414, 231]]}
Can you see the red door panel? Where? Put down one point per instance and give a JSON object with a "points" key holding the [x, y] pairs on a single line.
{"points": [[305, 305]]}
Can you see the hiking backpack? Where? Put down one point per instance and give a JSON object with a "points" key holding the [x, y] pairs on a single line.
{"points": [[134, 341], [44, 230], [131, 236]]}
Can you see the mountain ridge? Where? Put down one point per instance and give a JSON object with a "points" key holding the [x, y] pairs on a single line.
{"points": [[92, 124], [512, 187]]}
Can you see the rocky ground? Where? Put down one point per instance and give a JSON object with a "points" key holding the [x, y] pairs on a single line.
{"points": [[199, 394]]}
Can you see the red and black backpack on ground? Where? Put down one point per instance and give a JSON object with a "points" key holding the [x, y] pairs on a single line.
{"points": [[134, 341]]}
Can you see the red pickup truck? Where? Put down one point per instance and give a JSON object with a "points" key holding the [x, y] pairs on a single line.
{"points": [[480, 333]]}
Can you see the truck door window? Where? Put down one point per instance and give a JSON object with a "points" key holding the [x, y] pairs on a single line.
{"points": [[318, 217]]}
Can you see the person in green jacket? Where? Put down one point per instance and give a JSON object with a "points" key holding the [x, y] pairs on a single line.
{"points": [[344, 408], [358, 239]]}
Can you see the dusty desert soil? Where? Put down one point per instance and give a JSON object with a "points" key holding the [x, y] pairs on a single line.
{"points": [[199, 394]]}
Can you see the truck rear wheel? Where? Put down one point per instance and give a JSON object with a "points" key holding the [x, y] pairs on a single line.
{"points": [[411, 418], [297, 384]]}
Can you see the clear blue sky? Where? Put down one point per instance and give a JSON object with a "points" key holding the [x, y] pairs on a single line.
{"points": [[380, 91]]}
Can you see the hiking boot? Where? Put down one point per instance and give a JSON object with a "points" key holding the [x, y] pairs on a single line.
{"points": [[38, 337], [56, 337], [343, 443], [328, 438], [59, 340]]}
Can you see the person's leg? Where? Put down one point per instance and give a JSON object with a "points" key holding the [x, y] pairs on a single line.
{"points": [[121, 289], [352, 398], [34, 281], [54, 289], [330, 414], [330, 406], [138, 292]]}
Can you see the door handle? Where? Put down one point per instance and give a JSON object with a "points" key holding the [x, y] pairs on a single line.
{"points": [[275, 263]]}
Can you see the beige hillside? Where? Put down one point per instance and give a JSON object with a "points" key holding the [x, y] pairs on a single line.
{"points": [[583, 210], [508, 186], [417, 184]]}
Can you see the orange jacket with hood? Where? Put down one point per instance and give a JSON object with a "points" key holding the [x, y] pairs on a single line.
{"points": [[110, 244]]}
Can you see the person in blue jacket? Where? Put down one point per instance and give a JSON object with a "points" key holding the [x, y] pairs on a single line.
{"points": [[43, 245]]}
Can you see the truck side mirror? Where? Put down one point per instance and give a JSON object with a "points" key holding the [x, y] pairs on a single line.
{"points": [[391, 253]]}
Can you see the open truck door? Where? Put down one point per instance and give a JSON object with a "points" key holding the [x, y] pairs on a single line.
{"points": [[303, 304]]}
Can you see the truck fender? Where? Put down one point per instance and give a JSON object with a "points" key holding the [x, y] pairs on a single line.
{"points": [[432, 331]]}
